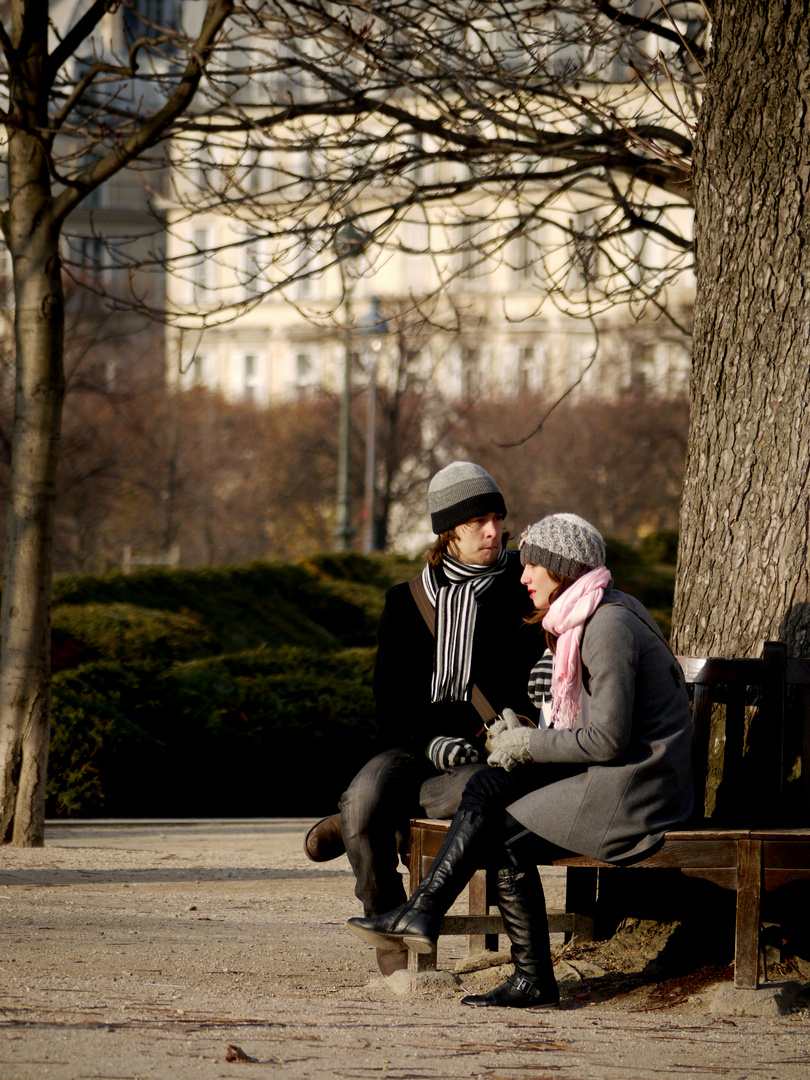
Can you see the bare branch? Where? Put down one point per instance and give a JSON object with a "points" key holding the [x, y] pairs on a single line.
{"points": [[645, 25], [155, 127], [541, 423], [80, 32]]}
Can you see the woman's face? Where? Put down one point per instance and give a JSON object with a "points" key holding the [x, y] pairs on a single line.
{"points": [[540, 584]]}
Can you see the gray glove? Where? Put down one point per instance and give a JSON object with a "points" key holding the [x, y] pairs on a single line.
{"points": [[510, 747], [445, 752], [507, 721]]}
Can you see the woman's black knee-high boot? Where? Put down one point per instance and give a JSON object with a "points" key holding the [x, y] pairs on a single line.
{"points": [[523, 908], [417, 922]]}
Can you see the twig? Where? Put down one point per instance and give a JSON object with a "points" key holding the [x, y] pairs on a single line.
{"points": [[559, 400]]}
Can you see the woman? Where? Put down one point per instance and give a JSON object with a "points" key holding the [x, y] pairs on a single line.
{"points": [[609, 787]]}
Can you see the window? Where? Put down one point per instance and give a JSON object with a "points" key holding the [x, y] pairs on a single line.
{"points": [[250, 378], [286, 78], [304, 268], [89, 254], [525, 255], [303, 373], [252, 261], [199, 369], [470, 373], [525, 367], [207, 173], [150, 19], [643, 369], [256, 180], [98, 198], [583, 247], [470, 255]]}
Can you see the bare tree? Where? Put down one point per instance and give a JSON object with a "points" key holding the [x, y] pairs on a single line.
{"points": [[618, 462], [589, 129], [547, 140], [53, 116]]}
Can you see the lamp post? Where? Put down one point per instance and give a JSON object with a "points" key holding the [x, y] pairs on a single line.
{"points": [[374, 328], [343, 510], [348, 243]]}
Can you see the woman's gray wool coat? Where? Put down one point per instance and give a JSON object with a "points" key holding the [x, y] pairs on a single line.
{"points": [[637, 783]]}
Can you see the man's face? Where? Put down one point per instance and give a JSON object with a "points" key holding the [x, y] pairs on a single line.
{"points": [[478, 542]]}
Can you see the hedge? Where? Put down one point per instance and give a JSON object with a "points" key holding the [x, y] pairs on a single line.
{"points": [[264, 733]]}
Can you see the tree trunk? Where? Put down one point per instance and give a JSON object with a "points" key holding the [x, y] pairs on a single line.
{"points": [[743, 562], [26, 605], [32, 236]]}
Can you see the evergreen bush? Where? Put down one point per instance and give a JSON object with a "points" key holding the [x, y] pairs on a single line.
{"points": [[84, 633], [273, 732]]}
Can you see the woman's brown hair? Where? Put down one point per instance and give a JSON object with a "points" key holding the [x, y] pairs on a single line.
{"points": [[563, 583]]}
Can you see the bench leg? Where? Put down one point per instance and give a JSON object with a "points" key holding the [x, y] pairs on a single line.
{"points": [[479, 897], [421, 961], [580, 901], [749, 891]]}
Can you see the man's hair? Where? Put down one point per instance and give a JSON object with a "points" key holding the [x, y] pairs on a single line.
{"points": [[437, 550]]}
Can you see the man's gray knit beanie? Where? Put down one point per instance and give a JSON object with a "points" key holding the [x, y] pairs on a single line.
{"points": [[564, 544], [460, 492]]}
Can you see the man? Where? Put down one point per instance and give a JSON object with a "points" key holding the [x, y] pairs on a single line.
{"points": [[424, 679]]}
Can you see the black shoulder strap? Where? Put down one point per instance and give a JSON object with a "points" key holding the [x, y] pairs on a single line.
{"points": [[419, 593]]}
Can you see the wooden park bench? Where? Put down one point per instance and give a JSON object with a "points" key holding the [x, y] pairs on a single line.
{"points": [[756, 838]]}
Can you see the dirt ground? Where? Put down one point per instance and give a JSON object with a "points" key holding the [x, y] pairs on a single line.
{"points": [[207, 950]]}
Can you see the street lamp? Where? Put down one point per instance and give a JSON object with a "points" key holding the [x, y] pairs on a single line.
{"points": [[374, 328], [348, 243]]}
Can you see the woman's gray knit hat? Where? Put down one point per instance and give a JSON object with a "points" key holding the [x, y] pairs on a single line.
{"points": [[564, 543], [460, 492]]}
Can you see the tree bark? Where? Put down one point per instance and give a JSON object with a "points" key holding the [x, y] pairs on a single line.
{"points": [[32, 237], [743, 562], [26, 606]]}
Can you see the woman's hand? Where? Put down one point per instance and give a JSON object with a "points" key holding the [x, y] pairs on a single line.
{"points": [[508, 720], [510, 747]]}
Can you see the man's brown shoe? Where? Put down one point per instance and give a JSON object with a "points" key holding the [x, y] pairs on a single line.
{"points": [[391, 960], [324, 841]]}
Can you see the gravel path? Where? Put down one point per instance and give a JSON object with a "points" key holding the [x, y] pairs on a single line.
{"points": [[164, 950]]}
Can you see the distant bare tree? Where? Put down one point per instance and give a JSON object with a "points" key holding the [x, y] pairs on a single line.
{"points": [[619, 463]]}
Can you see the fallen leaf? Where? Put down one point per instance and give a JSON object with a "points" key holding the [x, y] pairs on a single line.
{"points": [[236, 1053]]}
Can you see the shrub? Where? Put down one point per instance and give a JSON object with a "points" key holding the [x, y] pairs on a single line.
{"points": [[328, 603], [651, 583], [97, 746], [83, 633], [236, 691], [273, 732], [660, 546]]}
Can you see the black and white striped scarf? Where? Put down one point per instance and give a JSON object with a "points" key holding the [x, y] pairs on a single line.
{"points": [[540, 679], [456, 606]]}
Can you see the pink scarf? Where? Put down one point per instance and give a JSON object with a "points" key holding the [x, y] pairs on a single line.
{"points": [[566, 620]]}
